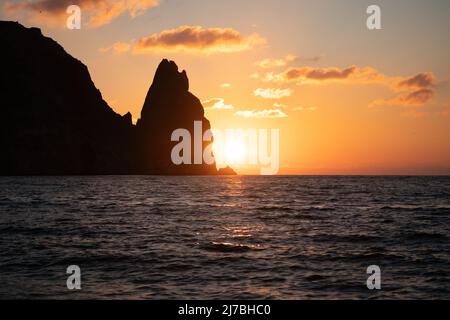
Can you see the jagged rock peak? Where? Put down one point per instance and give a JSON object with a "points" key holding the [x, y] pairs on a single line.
{"points": [[167, 75]]}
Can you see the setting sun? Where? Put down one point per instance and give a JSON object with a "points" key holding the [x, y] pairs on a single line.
{"points": [[230, 152], [235, 152]]}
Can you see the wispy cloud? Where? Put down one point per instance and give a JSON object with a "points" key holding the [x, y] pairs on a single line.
{"points": [[216, 103], [312, 75], [268, 113], [421, 80], [410, 91], [196, 39], [313, 108], [414, 98], [273, 63], [414, 91], [315, 75], [271, 93], [319, 74], [271, 77], [282, 62], [225, 85], [97, 12], [280, 105], [118, 48]]}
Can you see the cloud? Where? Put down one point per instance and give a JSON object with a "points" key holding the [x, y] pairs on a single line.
{"points": [[216, 103], [118, 48], [271, 93], [97, 12], [280, 105], [271, 77], [312, 59], [268, 113], [411, 91], [275, 63], [421, 80], [415, 98], [308, 109], [319, 74], [197, 39], [306, 75], [351, 74], [225, 85]]}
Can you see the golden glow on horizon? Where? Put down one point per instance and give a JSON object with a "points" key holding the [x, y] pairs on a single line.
{"points": [[235, 151], [232, 152], [344, 101]]}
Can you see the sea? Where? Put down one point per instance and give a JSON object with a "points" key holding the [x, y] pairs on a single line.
{"points": [[229, 237]]}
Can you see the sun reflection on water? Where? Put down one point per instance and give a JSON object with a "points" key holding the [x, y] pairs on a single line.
{"points": [[237, 237]]}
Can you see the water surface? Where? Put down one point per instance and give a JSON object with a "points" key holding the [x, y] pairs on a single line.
{"points": [[242, 237]]}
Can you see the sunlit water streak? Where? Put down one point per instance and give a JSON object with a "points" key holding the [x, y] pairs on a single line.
{"points": [[224, 237]]}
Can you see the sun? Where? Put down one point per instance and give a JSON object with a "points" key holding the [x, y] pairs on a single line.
{"points": [[235, 152]]}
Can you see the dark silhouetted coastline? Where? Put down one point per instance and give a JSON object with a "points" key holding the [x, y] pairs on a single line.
{"points": [[54, 120]]}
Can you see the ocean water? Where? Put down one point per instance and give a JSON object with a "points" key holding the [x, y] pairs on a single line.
{"points": [[242, 237]]}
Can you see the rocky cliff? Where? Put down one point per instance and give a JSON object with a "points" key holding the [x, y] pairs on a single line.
{"points": [[54, 121]]}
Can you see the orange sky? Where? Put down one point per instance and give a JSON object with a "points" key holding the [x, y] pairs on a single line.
{"points": [[346, 100]]}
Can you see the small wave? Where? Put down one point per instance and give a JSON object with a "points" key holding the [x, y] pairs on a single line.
{"points": [[350, 238], [420, 236], [314, 277], [371, 256], [437, 209], [318, 207], [273, 208], [230, 247]]}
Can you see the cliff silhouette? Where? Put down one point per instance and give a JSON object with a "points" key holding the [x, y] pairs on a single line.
{"points": [[54, 121]]}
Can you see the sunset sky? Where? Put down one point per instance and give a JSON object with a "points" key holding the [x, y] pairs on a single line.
{"points": [[347, 100]]}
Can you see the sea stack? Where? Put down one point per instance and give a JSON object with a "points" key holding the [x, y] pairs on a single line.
{"points": [[169, 106]]}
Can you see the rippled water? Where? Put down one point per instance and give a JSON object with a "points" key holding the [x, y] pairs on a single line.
{"points": [[225, 237]]}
